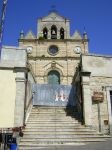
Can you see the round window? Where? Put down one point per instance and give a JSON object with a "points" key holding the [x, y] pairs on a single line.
{"points": [[53, 50]]}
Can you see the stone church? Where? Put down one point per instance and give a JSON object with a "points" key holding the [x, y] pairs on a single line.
{"points": [[54, 55], [60, 93]]}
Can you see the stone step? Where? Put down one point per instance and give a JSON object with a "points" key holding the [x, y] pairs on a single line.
{"points": [[59, 116], [61, 139], [45, 146], [52, 107], [55, 130], [43, 118], [58, 129], [24, 146], [54, 111], [56, 126], [52, 125], [64, 136], [53, 122], [51, 111], [59, 133], [52, 117], [35, 141]]}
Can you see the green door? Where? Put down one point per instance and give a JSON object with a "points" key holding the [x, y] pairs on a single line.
{"points": [[53, 77]]}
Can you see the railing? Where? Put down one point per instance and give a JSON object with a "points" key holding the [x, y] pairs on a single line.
{"points": [[28, 110], [28, 101], [53, 36]]}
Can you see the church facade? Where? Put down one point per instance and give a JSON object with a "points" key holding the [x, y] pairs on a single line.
{"points": [[54, 55]]}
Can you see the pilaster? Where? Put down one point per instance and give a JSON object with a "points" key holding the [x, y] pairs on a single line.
{"points": [[20, 99], [87, 102]]}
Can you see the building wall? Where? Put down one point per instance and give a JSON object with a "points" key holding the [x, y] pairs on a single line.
{"points": [[97, 84], [12, 86], [100, 78], [7, 98]]}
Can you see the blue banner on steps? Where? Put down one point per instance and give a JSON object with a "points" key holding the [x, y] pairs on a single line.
{"points": [[54, 95]]}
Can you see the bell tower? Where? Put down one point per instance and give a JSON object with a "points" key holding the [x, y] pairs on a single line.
{"points": [[53, 26]]}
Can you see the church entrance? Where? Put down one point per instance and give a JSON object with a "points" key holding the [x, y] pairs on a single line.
{"points": [[54, 93], [53, 77]]}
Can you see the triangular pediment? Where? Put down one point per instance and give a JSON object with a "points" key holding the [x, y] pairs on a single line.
{"points": [[53, 16], [53, 63], [30, 35], [77, 35]]}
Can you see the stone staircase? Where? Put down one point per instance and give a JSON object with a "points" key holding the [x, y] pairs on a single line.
{"points": [[48, 126]]}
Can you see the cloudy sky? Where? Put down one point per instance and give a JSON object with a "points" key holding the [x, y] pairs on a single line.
{"points": [[95, 15]]}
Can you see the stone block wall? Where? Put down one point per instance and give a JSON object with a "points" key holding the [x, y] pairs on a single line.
{"points": [[99, 84], [99, 79], [65, 61]]}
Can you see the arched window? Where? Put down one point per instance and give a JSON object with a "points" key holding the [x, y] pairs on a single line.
{"points": [[53, 77], [45, 33], [61, 33], [53, 32]]}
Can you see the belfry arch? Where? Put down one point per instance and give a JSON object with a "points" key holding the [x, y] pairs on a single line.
{"points": [[53, 32], [45, 33], [62, 34]]}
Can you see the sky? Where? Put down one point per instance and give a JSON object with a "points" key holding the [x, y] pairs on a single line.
{"points": [[94, 15]]}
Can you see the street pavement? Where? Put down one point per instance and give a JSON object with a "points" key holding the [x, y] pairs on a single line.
{"points": [[94, 146]]}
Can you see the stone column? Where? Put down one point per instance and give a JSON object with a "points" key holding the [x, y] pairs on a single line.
{"points": [[87, 101], [49, 33], [20, 99], [58, 34]]}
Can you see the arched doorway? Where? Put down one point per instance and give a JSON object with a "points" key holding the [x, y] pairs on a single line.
{"points": [[53, 77]]}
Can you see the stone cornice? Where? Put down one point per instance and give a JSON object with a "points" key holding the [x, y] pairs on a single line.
{"points": [[53, 40], [54, 58]]}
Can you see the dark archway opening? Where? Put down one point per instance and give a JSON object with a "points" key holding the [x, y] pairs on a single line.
{"points": [[53, 32], [62, 33], [45, 33], [53, 77]]}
